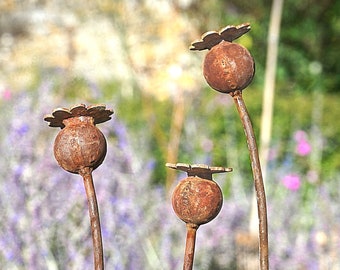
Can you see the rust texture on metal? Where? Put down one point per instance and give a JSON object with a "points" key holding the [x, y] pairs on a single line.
{"points": [[94, 218], [189, 253], [229, 68], [79, 144], [212, 38], [196, 200], [80, 147], [99, 113], [201, 170], [258, 180]]}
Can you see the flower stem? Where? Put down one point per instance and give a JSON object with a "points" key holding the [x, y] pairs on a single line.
{"points": [[190, 246], [257, 175], [86, 173]]}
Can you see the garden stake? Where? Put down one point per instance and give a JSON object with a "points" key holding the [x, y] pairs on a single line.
{"points": [[80, 147], [229, 68], [196, 200]]}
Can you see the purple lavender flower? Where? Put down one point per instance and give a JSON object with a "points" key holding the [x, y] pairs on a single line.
{"points": [[44, 220]]}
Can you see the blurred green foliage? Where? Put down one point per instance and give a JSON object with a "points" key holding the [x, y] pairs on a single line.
{"points": [[310, 32]]}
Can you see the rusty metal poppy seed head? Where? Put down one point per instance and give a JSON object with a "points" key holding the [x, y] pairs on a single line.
{"points": [[227, 67], [99, 113], [80, 145], [212, 38], [197, 199]]}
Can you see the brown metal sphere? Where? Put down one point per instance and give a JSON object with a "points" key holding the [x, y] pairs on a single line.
{"points": [[228, 67], [80, 144], [196, 200]]}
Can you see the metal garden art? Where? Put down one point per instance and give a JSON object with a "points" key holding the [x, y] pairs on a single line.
{"points": [[80, 147], [229, 68], [196, 200]]}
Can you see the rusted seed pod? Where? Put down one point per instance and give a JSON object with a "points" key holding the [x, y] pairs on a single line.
{"points": [[196, 200], [80, 147], [228, 67], [80, 144]]}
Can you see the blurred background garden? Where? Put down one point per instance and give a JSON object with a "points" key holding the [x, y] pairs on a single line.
{"points": [[134, 57]]}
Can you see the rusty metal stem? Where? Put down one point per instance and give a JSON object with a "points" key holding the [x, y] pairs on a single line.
{"points": [[190, 246], [86, 173], [257, 175]]}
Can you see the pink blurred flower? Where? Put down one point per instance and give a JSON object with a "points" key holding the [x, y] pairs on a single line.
{"points": [[6, 94], [303, 147], [300, 135], [291, 182]]}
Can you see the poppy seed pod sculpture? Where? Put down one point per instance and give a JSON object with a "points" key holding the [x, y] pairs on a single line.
{"points": [[229, 68], [196, 200], [80, 147]]}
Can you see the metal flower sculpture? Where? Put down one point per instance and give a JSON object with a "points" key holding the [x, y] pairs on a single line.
{"points": [[80, 147], [99, 113], [212, 38], [196, 200], [229, 68]]}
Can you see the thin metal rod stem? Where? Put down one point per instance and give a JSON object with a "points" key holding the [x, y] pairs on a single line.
{"points": [[86, 173], [258, 180], [190, 246]]}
